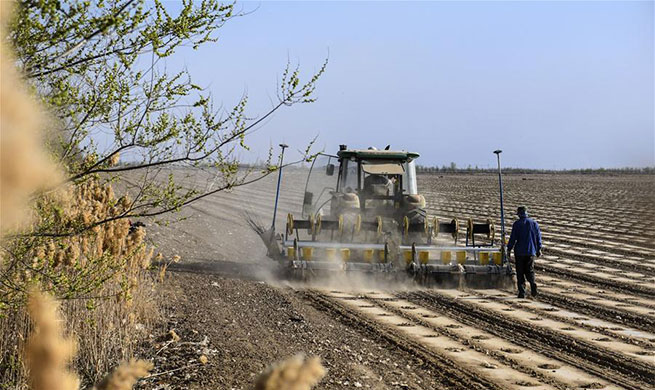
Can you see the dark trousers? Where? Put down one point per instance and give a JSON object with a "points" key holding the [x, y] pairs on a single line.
{"points": [[525, 270]]}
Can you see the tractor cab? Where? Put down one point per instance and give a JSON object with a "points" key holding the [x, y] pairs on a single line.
{"points": [[368, 182]]}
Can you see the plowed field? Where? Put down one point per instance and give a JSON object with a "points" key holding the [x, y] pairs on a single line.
{"points": [[591, 327]]}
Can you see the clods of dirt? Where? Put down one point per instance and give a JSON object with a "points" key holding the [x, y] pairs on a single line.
{"points": [[547, 366], [511, 350], [526, 383], [239, 327], [593, 385], [489, 365]]}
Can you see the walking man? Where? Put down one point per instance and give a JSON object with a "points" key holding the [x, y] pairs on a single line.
{"points": [[526, 241]]}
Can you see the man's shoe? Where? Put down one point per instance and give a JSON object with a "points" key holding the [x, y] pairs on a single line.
{"points": [[521, 295], [534, 292]]}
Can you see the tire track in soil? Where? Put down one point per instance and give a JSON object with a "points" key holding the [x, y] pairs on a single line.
{"points": [[567, 274], [635, 304], [623, 317], [600, 271], [508, 306], [515, 309], [645, 268], [450, 375], [582, 253], [464, 354], [632, 239], [612, 367], [614, 241], [591, 243], [546, 370], [591, 322], [613, 245]]}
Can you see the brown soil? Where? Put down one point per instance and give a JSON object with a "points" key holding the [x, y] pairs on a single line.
{"points": [[249, 325], [225, 301]]}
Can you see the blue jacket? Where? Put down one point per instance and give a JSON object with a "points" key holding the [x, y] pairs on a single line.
{"points": [[525, 237]]}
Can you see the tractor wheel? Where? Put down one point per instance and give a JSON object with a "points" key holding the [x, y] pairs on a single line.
{"points": [[417, 216]]}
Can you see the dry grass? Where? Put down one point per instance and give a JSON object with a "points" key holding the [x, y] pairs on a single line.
{"points": [[125, 376], [48, 353], [296, 373], [108, 261]]}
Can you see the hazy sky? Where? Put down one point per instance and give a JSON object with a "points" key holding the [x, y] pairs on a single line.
{"points": [[554, 84]]}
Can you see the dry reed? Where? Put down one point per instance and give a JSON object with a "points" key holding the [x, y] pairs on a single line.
{"points": [[107, 261], [174, 337], [125, 375], [296, 373], [48, 352], [26, 168]]}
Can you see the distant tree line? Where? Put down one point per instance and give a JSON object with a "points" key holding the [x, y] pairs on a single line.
{"points": [[453, 168]]}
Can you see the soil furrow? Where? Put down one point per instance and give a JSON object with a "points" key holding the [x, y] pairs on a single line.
{"points": [[452, 376], [637, 305], [600, 271], [464, 354], [634, 266], [592, 323], [637, 289], [610, 366], [504, 358], [623, 317]]}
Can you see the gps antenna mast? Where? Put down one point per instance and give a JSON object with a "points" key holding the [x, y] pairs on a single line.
{"points": [[279, 179], [502, 209]]}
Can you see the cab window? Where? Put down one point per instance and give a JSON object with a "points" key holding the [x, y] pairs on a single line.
{"points": [[349, 182]]}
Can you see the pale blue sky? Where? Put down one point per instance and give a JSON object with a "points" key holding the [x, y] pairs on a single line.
{"points": [[554, 84]]}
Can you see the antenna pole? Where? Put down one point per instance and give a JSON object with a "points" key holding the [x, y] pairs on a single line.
{"points": [[502, 209], [279, 179]]}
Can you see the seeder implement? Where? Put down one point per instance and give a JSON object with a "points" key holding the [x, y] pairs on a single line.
{"points": [[429, 262], [372, 220]]}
